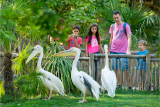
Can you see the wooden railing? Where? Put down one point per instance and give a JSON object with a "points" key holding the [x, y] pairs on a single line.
{"points": [[87, 65], [149, 82]]}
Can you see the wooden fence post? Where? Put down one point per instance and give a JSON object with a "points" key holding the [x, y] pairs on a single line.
{"points": [[158, 82], [148, 81], [91, 65]]}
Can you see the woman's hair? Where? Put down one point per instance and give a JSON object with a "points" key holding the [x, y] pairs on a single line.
{"points": [[90, 34], [76, 27], [143, 42]]}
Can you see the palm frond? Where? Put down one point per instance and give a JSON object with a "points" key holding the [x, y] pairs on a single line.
{"points": [[19, 66]]}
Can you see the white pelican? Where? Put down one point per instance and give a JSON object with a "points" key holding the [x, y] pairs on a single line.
{"points": [[81, 80], [108, 77], [50, 81]]}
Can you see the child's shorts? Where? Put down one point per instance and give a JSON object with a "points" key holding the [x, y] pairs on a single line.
{"points": [[121, 61]]}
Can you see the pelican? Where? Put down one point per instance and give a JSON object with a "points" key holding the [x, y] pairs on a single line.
{"points": [[50, 81], [80, 79], [108, 77]]}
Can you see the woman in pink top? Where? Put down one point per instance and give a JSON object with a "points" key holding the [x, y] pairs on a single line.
{"points": [[93, 44]]}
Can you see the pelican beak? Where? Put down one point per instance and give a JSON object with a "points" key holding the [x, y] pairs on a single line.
{"points": [[66, 53], [34, 53]]}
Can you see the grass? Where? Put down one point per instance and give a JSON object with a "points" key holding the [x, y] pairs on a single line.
{"points": [[122, 99]]}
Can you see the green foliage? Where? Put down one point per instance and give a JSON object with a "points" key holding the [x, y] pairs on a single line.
{"points": [[19, 65], [10, 14], [30, 85], [6, 98], [83, 16], [1, 88]]}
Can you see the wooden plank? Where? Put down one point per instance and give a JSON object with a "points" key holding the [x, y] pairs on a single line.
{"points": [[139, 74], [128, 72], [111, 64], [117, 73], [120, 56], [154, 88], [158, 81], [143, 76], [115, 65], [136, 75], [155, 59], [125, 81], [121, 72], [151, 70], [125, 56], [132, 72], [148, 72], [91, 65], [81, 66], [101, 67]]}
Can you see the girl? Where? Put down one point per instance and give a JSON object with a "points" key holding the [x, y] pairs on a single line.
{"points": [[93, 44]]}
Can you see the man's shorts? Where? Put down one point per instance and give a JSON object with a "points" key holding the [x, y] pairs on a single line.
{"points": [[121, 60]]}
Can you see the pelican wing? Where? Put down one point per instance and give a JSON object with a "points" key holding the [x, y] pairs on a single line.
{"points": [[114, 80], [86, 83], [109, 81], [54, 80], [49, 85], [94, 85]]}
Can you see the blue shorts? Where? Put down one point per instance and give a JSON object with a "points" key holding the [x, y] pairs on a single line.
{"points": [[120, 59]]}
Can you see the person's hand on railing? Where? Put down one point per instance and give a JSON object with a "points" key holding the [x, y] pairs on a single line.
{"points": [[128, 52]]}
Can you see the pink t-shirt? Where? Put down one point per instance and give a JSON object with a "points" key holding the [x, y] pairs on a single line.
{"points": [[119, 41], [93, 47], [72, 44]]}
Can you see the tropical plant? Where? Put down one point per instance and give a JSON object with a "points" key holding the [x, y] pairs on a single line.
{"points": [[19, 66], [30, 85], [9, 14], [18, 18]]}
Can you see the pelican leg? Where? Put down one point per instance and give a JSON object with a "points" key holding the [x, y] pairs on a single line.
{"points": [[84, 99], [50, 93], [102, 89], [49, 96]]}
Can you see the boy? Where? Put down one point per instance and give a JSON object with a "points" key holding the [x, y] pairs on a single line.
{"points": [[142, 47], [74, 40]]}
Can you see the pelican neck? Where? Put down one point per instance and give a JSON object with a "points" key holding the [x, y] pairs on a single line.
{"points": [[40, 60], [74, 65], [106, 55]]}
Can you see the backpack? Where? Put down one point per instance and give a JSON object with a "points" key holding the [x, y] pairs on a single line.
{"points": [[124, 27]]}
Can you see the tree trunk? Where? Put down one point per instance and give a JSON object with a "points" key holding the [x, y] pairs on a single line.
{"points": [[8, 75]]}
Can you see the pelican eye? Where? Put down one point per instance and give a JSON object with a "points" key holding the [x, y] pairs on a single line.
{"points": [[79, 76]]}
